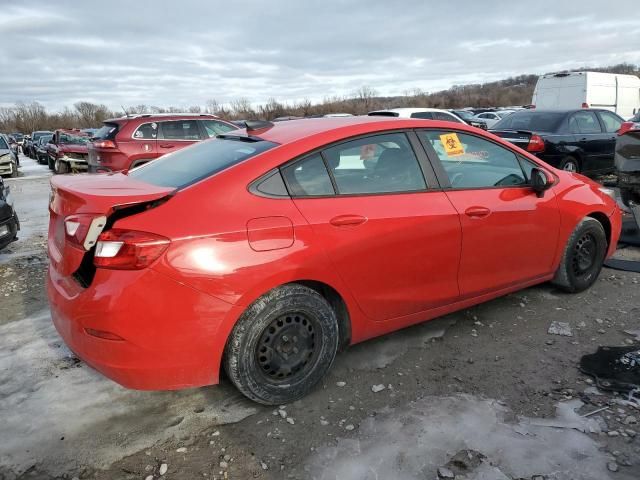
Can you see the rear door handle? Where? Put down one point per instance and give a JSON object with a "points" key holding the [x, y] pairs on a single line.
{"points": [[477, 212], [166, 145], [347, 220]]}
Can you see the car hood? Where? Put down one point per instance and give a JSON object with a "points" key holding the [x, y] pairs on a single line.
{"points": [[73, 148]]}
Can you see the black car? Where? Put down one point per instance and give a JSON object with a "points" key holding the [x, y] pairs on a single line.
{"points": [[40, 147], [627, 160], [574, 140], [468, 117], [29, 146], [9, 223]]}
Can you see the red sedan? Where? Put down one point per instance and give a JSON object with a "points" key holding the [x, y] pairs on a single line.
{"points": [[266, 250]]}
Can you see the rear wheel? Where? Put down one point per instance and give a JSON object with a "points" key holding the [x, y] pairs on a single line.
{"points": [[583, 257], [282, 345], [570, 164]]}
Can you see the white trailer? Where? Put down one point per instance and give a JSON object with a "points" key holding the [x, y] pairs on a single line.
{"points": [[611, 91]]}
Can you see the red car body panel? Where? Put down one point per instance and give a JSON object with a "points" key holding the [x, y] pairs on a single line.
{"points": [[127, 150], [415, 256]]}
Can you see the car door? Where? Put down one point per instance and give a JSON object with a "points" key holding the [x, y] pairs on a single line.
{"points": [[611, 123], [177, 134], [591, 139], [509, 235], [393, 241]]}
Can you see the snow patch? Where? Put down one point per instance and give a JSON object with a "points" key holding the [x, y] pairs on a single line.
{"points": [[57, 412]]}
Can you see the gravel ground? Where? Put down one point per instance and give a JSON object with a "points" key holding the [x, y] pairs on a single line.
{"points": [[489, 379]]}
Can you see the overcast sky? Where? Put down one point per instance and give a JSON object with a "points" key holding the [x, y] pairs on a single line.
{"points": [[184, 52]]}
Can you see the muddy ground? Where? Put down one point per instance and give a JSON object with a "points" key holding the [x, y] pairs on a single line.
{"points": [[489, 379]]}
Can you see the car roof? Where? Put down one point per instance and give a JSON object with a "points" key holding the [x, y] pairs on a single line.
{"points": [[163, 116], [337, 128], [409, 110]]}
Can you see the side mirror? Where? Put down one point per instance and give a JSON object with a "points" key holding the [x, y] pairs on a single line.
{"points": [[541, 181]]}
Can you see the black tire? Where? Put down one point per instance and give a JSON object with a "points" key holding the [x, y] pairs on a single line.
{"points": [[51, 163], [583, 257], [282, 346], [570, 164], [14, 171], [61, 168]]}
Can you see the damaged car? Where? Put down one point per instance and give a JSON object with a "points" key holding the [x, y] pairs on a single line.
{"points": [[627, 160], [67, 151], [264, 251], [9, 223], [8, 158]]}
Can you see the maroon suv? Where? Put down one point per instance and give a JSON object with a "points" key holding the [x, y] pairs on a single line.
{"points": [[127, 142]]}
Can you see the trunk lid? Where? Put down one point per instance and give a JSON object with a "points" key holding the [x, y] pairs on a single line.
{"points": [[90, 200], [519, 138]]}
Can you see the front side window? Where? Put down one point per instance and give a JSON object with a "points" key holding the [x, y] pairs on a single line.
{"points": [[3, 144], [584, 122], [146, 131], [180, 130], [473, 162], [308, 178], [213, 127], [611, 122], [377, 164]]}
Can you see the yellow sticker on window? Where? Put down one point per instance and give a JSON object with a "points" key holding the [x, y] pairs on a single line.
{"points": [[452, 145]]}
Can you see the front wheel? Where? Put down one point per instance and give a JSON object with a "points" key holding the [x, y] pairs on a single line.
{"points": [[283, 345], [583, 257], [62, 167], [570, 164]]}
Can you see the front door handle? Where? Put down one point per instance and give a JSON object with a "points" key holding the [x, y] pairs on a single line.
{"points": [[347, 220], [477, 212], [166, 145]]}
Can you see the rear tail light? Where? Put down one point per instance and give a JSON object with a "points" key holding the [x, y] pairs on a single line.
{"points": [[104, 144], [585, 105], [628, 127], [128, 249], [536, 144], [83, 230]]}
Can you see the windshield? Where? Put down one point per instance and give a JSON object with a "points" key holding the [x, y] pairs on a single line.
{"points": [[199, 161], [37, 135], [67, 139], [531, 120]]}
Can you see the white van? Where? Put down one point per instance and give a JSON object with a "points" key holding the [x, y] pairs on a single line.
{"points": [[560, 91]]}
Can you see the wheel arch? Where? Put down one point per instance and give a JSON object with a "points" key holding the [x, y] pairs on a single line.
{"points": [[604, 221]]}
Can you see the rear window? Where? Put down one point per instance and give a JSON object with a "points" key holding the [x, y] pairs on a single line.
{"points": [[108, 131], [528, 120], [201, 160]]}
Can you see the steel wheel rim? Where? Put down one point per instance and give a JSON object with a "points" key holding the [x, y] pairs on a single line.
{"points": [[585, 252], [288, 347]]}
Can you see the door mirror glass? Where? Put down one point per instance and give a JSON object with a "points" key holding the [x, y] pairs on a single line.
{"points": [[540, 181]]}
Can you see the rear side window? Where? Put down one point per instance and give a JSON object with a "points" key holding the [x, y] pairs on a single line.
{"points": [[146, 131], [473, 162], [375, 164], [424, 115], [199, 161], [611, 122], [180, 130], [308, 178], [213, 127], [584, 122]]}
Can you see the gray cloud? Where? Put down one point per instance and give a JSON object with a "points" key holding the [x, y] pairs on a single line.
{"points": [[183, 53]]}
